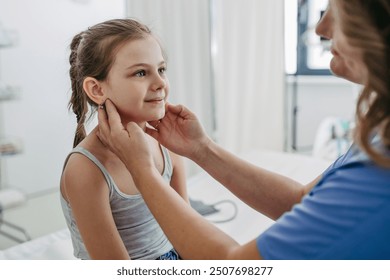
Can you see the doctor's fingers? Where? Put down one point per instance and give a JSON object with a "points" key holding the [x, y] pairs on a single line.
{"points": [[104, 127], [114, 120]]}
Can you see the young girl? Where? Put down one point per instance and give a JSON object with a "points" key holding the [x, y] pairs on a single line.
{"points": [[122, 61]]}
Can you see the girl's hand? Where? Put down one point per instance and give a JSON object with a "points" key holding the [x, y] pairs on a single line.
{"points": [[180, 131], [128, 143]]}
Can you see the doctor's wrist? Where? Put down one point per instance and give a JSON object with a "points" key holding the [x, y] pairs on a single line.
{"points": [[202, 150], [144, 177]]}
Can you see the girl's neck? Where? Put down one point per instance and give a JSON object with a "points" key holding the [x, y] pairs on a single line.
{"points": [[141, 124]]}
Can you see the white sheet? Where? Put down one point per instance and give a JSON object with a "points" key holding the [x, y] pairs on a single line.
{"points": [[54, 246], [247, 225]]}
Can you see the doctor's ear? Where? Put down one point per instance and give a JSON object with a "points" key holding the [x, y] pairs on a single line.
{"points": [[94, 90]]}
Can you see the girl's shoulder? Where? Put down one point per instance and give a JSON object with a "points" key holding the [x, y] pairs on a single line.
{"points": [[82, 171], [82, 160]]}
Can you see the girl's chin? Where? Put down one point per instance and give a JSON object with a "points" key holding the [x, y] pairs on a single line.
{"points": [[155, 116], [160, 114]]}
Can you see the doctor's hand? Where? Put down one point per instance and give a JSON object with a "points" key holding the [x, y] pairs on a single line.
{"points": [[128, 143], [180, 131]]}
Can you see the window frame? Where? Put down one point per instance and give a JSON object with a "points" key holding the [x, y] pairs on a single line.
{"points": [[302, 67]]}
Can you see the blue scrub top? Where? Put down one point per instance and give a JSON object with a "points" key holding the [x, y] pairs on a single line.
{"points": [[345, 216]]}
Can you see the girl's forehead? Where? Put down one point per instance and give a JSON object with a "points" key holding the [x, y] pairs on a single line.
{"points": [[139, 51], [142, 46]]}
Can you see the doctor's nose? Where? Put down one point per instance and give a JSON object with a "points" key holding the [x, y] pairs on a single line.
{"points": [[324, 26]]}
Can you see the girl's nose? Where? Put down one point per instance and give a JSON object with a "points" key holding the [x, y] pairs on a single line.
{"points": [[159, 82]]}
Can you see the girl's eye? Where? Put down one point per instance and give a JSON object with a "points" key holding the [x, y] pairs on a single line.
{"points": [[162, 70], [140, 73]]}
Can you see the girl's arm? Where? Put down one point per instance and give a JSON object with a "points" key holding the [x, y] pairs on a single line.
{"points": [[178, 180], [85, 188]]}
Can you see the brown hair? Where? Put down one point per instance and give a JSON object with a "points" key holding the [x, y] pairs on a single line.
{"points": [[92, 55], [367, 26]]}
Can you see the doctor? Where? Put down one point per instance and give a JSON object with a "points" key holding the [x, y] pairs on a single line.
{"points": [[343, 214]]}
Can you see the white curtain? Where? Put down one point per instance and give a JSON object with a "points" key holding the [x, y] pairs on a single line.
{"points": [[248, 52]]}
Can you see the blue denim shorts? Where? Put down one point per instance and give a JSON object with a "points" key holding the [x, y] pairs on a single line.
{"points": [[171, 255]]}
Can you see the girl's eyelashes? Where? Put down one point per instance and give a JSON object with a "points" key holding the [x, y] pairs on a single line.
{"points": [[162, 70], [140, 73], [143, 73]]}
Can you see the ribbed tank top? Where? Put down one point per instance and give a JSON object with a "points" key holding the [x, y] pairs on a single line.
{"points": [[140, 232]]}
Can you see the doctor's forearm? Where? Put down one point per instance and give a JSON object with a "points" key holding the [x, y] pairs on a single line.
{"points": [[191, 235], [267, 192]]}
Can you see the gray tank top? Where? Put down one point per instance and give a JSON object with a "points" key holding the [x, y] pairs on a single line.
{"points": [[140, 232]]}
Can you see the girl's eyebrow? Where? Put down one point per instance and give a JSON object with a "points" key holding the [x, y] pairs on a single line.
{"points": [[145, 64]]}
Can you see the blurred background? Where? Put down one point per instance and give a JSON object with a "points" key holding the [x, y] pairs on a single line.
{"points": [[252, 70]]}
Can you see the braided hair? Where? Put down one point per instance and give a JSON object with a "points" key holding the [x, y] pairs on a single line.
{"points": [[92, 54]]}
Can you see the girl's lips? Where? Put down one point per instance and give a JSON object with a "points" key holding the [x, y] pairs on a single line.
{"points": [[157, 100]]}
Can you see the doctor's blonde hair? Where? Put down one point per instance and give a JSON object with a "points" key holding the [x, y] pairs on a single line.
{"points": [[92, 55], [366, 24]]}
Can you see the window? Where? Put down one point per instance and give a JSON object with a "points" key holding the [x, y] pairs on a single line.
{"points": [[307, 53]]}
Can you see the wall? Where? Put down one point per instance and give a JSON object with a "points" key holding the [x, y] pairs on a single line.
{"points": [[318, 97], [38, 64]]}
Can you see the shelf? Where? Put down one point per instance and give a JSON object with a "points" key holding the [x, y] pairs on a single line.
{"points": [[317, 80], [8, 92], [10, 146], [6, 39]]}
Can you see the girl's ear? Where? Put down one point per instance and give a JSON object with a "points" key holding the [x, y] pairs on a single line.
{"points": [[94, 90]]}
